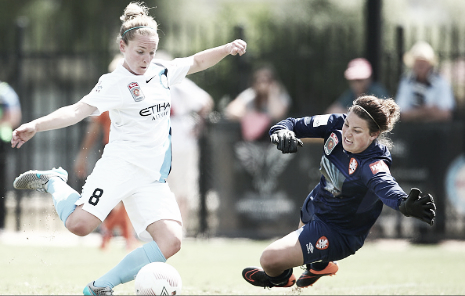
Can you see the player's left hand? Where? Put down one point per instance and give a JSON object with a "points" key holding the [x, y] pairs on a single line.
{"points": [[238, 46], [286, 141], [422, 208]]}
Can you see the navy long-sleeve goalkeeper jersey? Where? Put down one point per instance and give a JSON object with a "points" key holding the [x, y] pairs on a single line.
{"points": [[353, 186]]}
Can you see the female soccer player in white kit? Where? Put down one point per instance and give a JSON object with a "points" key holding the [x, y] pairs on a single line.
{"points": [[137, 159]]}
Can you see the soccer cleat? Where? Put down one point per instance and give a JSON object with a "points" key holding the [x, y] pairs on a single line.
{"points": [[310, 276], [257, 277], [90, 289], [37, 180]]}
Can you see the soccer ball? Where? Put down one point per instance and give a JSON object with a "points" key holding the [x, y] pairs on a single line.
{"points": [[158, 278]]}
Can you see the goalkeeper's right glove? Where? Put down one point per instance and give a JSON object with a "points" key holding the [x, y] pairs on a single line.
{"points": [[286, 141], [422, 208]]}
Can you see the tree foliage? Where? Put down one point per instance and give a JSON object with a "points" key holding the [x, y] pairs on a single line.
{"points": [[308, 41]]}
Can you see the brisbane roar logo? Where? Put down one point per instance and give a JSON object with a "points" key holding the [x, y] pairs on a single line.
{"points": [[353, 164], [322, 243]]}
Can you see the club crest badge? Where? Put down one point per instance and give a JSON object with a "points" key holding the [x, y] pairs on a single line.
{"points": [[136, 92], [331, 142], [322, 243], [353, 164]]}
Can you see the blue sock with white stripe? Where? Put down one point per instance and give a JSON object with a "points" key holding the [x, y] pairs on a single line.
{"points": [[63, 197], [128, 268]]}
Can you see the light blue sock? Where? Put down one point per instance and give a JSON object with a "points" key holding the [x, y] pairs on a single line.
{"points": [[63, 197], [128, 268]]}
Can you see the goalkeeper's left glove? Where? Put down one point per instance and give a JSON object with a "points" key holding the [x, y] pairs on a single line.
{"points": [[422, 208]]}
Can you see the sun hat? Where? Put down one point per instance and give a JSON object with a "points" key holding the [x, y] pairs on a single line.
{"points": [[358, 68], [422, 51]]}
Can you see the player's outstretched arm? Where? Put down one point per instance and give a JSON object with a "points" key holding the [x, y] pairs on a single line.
{"points": [[210, 57], [286, 141], [60, 118], [422, 208]]}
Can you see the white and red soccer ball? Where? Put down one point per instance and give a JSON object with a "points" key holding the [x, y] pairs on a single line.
{"points": [[158, 278]]}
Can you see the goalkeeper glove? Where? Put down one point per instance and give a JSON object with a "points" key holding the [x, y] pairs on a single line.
{"points": [[422, 208], [286, 141]]}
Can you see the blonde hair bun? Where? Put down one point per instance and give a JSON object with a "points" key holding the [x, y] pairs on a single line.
{"points": [[133, 10]]}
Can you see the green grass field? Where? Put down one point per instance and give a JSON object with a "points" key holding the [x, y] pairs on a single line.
{"points": [[213, 267]]}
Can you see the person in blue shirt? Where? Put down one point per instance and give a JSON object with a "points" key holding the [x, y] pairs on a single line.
{"points": [[10, 117], [356, 182]]}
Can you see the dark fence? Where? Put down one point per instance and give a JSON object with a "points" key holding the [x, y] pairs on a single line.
{"points": [[260, 190], [310, 63]]}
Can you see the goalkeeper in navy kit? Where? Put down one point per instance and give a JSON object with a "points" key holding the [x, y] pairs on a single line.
{"points": [[356, 182]]}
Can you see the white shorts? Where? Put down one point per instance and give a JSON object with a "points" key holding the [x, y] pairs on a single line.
{"points": [[146, 201]]}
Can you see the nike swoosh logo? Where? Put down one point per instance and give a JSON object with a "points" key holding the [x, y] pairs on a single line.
{"points": [[250, 273], [147, 81]]}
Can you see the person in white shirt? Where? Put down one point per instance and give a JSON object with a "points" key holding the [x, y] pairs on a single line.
{"points": [[137, 159], [424, 95]]}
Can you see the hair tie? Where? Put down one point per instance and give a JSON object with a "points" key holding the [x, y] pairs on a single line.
{"points": [[133, 28], [369, 115]]}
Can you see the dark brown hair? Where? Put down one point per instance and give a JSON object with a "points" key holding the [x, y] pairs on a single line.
{"points": [[380, 114]]}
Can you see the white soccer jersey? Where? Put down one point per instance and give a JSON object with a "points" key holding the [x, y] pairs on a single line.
{"points": [[139, 108]]}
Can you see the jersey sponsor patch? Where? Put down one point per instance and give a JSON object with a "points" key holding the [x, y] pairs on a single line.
{"points": [[379, 166], [322, 243], [136, 92], [353, 165], [320, 120], [331, 142]]}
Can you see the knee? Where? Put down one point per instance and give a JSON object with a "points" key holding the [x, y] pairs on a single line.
{"points": [[177, 245], [172, 247], [168, 236], [269, 260], [79, 227]]}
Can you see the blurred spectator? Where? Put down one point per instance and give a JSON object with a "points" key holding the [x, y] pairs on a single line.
{"points": [[358, 74], [10, 117], [261, 105], [118, 217], [190, 105], [424, 95], [96, 125]]}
